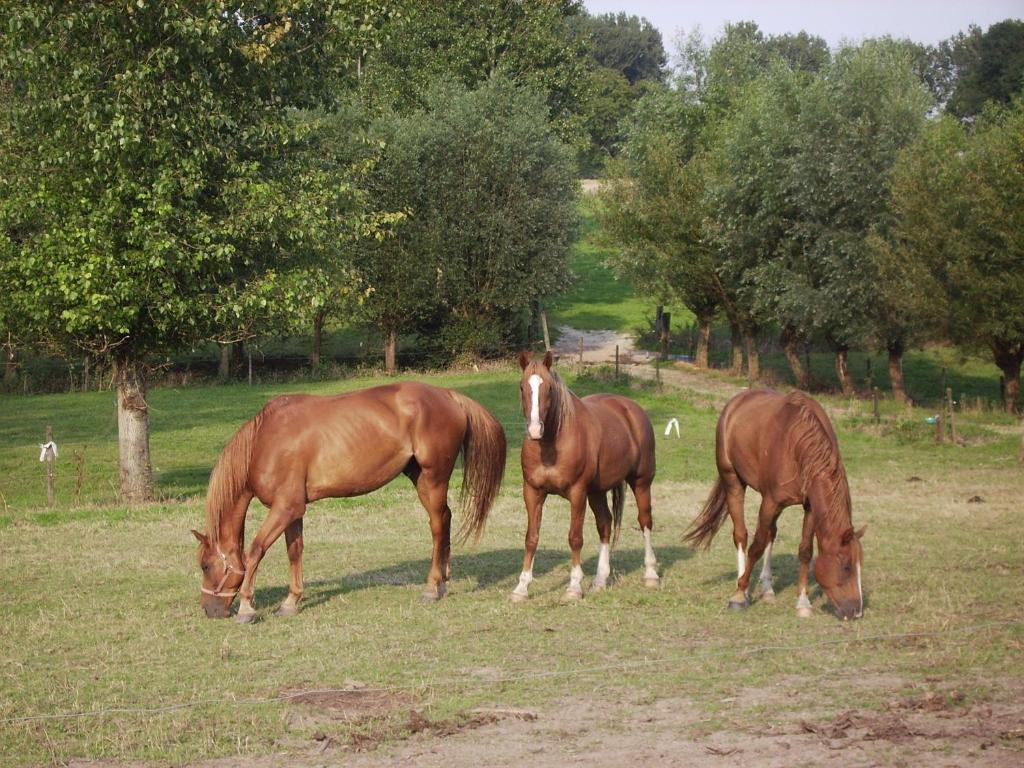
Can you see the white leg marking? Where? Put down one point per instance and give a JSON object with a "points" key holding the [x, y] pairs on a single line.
{"points": [[741, 561], [860, 591], [535, 428], [803, 606], [576, 580], [650, 561], [604, 567], [523, 588], [766, 571]]}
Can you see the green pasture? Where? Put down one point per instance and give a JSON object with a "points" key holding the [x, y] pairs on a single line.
{"points": [[107, 655]]}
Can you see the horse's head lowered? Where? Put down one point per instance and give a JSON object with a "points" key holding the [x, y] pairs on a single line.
{"points": [[536, 389], [222, 576], [837, 571]]}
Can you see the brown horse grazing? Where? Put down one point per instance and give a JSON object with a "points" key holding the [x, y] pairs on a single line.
{"points": [[580, 449], [784, 447], [301, 448]]}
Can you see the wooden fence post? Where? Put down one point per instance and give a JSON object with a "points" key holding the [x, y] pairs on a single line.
{"points": [[949, 413], [874, 404], [48, 455], [939, 430], [616, 363]]}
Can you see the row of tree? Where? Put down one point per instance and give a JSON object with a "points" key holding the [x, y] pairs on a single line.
{"points": [[865, 198], [189, 170]]}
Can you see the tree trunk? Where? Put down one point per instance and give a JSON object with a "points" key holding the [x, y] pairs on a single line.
{"points": [[843, 370], [1008, 357], [899, 392], [390, 352], [753, 355], [133, 431], [10, 368], [224, 366], [736, 337], [318, 338], [789, 340], [703, 341]]}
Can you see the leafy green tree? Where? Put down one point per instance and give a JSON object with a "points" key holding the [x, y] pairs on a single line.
{"points": [[489, 194], [853, 121], [957, 196], [530, 42], [991, 69], [650, 210], [145, 174], [752, 212], [628, 45]]}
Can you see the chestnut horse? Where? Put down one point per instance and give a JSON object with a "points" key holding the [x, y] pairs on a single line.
{"points": [[580, 449], [301, 448], [784, 447]]}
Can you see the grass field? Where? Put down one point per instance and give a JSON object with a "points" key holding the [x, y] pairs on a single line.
{"points": [[107, 656]]}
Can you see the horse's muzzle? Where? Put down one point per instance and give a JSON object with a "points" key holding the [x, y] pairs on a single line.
{"points": [[848, 609], [535, 431], [216, 608]]}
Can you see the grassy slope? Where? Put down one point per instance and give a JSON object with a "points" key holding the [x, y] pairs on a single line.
{"points": [[101, 612]]}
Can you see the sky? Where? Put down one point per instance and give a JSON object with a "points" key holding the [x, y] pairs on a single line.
{"points": [[925, 21]]}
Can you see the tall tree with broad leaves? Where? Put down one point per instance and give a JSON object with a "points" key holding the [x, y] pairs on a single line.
{"points": [[146, 178], [489, 195], [957, 195], [853, 121]]}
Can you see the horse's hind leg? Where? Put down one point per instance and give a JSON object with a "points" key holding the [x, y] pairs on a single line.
{"points": [[642, 494], [603, 518], [293, 538], [735, 490], [283, 512], [433, 493]]}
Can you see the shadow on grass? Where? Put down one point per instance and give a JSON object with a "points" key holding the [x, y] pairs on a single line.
{"points": [[486, 568]]}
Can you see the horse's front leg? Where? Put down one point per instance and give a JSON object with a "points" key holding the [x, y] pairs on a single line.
{"points": [[282, 514], [603, 518], [762, 539], [534, 498], [803, 604], [578, 511], [293, 538]]}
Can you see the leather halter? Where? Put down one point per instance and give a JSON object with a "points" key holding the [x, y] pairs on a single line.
{"points": [[228, 569]]}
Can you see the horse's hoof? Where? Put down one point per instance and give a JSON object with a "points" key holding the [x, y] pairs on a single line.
{"points": [[246, 618], [518, 597], [804, 613], [598, 586], [286, 610], [768, 597], [652, 582], [572, 595], [736, 605], [431, 597]]}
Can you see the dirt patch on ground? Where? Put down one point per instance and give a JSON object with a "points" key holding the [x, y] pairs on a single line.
{"points": [[938, 728]]}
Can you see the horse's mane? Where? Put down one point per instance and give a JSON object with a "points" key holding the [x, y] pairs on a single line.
{"points": [[562, 409], [231, 472], [819, 459]]}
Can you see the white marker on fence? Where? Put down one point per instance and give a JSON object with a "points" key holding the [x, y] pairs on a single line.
{"points": [[44, 447], [672, 423]]}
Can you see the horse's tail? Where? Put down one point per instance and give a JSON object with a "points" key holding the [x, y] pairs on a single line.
{"points": [[704, 527], [618, 504], [230, 474], [483, 461]]}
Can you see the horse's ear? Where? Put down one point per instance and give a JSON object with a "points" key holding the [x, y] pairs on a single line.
{"points": [[200, 537], [848, 535], [548, 359], [860, 534], [524, 359]]}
